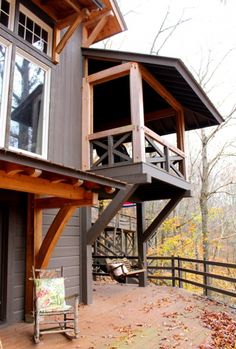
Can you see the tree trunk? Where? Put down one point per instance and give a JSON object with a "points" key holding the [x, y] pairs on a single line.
{"points": [[204, 197]]}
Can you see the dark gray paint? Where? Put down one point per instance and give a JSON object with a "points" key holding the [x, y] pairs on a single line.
{"points": [[65, 106], [66, 252], [16, 254]]}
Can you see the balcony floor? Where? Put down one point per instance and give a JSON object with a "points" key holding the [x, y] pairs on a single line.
{"points": [[125, 316]]}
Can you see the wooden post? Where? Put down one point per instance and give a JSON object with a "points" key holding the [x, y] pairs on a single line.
{"points": [[33, 243], [142, 245], [86, 289], [180, 273], [205, 278], [87, 123], [173, 270], [180, 129], [137, 113], [167, 160]]}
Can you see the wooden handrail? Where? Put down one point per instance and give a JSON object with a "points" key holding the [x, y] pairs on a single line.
{"points": [[163, 142], [111, 132]]}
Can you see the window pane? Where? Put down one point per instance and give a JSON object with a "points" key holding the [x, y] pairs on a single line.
{"points": [[27, 106], [2, 64], [22, 18], [4, 12]]}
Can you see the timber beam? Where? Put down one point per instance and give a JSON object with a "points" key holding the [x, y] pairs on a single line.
{"points": [[89, 199], [40, 186], [173, 202]]}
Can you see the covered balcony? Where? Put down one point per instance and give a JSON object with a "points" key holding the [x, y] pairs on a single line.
{"points": [[135, 114]]}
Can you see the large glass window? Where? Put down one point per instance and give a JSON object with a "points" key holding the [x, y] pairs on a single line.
{"points": [[24, 81], [29, 105]]}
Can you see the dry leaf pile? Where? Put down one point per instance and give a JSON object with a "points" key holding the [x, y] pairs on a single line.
{"points": [[223, 329]]}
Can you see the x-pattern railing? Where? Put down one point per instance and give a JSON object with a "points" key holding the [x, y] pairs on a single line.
{"points": [[163, 155], [108, 149]]}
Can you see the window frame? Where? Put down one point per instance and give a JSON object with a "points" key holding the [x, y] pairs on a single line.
{"points": [[5, 90], [46, 107], [11, 15], [41, 23]]}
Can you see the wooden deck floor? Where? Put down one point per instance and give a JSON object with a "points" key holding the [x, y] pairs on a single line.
{"points": [[130, 317]]}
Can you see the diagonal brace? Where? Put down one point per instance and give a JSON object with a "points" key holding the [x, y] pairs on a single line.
{"points": [[109, 212], [162, 216], [53, 235]]}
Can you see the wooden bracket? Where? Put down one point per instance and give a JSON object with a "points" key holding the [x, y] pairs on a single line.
{"points": [[58, 42], [52, 236], [102, 20]]}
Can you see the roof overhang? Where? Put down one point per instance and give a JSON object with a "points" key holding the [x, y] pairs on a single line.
{"points": [[100, 19], [31, 175], [199, 111]]}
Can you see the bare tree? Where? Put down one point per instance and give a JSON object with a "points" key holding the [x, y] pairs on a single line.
{"points": [[214, 149]]}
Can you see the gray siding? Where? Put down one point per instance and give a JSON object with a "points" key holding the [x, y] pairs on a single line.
{"points": [[16, 260], [67, 250], [65, 106]]}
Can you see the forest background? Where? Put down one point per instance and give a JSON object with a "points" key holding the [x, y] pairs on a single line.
{"points": [[202, 34]]}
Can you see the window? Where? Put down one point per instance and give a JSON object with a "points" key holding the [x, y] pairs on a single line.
{"points": [[34, 31], [24, 81], [5, 12], [29, 107]]}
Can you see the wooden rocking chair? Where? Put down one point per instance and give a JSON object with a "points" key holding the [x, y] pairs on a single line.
{"points": [[120, 269], [50, 306]]}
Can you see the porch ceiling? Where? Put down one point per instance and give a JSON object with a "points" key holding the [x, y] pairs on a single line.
{"points": [[199, 111]]}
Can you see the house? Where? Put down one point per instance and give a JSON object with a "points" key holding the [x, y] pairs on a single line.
{"points": [[41, 182], [77, 126]]}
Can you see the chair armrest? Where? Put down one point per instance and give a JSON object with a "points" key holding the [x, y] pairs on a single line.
{"points": [[72, 296]]}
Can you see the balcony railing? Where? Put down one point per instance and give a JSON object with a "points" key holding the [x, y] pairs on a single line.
{"points": [[114, 147]]}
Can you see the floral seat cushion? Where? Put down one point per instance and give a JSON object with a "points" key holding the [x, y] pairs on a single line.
{"points": [[50, 295]]}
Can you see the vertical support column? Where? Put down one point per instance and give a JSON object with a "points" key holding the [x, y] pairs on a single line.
{"points": [[137, 113], [86, 289], [180, 129], [33, 243], [142, 245], [87, 123]]}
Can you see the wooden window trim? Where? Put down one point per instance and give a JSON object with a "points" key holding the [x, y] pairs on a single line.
{"points": [[41, 23], [5, 90], [45, 130]]}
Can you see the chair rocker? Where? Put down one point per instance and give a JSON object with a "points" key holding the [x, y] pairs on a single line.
{"points": [[50, 306], [120, 269]]}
